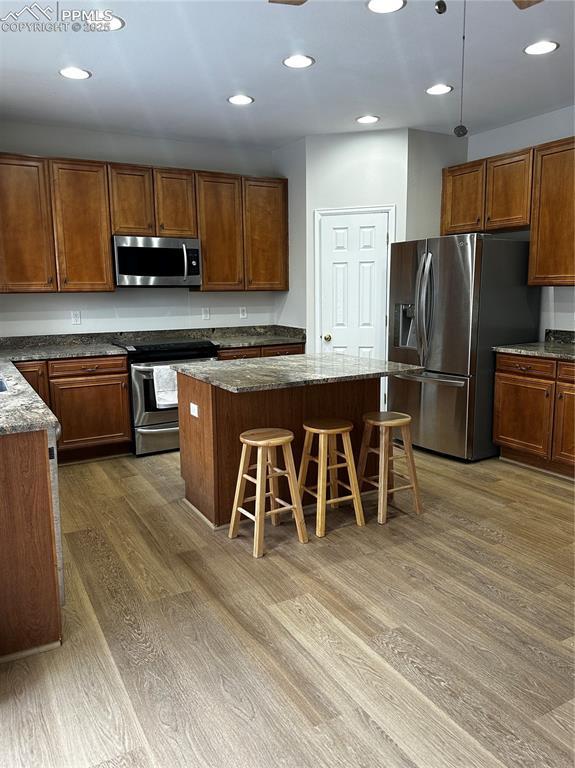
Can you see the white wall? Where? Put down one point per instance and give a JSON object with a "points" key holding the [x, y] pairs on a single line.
{"points": [[557, 303], [290, 162], [428, 154], [140, 309]]}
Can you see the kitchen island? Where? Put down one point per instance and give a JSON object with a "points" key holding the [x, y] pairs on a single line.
{"points": [[217, 400]]}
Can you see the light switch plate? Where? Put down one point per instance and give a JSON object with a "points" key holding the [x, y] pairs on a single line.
{"points": [[194, 410]]}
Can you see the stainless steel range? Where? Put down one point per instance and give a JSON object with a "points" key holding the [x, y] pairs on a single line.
{"points": [[155, 420]]}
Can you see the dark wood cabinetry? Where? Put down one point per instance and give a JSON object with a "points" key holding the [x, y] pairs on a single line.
{"points": [[274, 350], [27, 260], [82, 225], [36, 374], [283, 349], [220, 225], [131, 200], [508, 190], [463, 201], [534, 413], [175, 198], [265, 234], [552, 250]]}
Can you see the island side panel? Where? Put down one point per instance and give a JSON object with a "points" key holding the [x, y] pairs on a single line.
{"points": [[285, 408], [198, 460], [29, 596]]}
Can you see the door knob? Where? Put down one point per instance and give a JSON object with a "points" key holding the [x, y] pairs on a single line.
{"points": [[327, 337]]}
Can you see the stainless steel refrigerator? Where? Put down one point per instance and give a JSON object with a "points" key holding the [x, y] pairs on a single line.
{"points": [[451, 300]]}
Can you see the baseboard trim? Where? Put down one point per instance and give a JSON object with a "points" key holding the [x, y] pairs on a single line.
{"points": [[30, 652]]}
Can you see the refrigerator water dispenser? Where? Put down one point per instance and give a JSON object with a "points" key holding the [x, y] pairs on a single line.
{"points": [[404, 326]]}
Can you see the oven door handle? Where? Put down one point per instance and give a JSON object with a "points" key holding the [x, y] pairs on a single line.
{"points": [[143, 369], [157, 430]]}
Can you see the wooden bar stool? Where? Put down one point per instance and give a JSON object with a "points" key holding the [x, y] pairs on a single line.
{"points": [[267, 441], [328, 431], [384, 481]]}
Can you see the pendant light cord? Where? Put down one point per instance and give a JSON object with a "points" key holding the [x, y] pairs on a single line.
{"points": [[462, 63]]}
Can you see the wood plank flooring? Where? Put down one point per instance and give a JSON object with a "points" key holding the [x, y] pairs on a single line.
{"points": [[440, 641]]}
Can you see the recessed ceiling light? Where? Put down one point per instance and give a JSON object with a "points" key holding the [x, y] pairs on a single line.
{"points": [[367, 119], [543, 46], [115, 23], [299, 61], [75, 73], [385, 6], [240, 100], [439, 89]]}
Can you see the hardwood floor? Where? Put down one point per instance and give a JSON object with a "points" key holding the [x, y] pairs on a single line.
{"points": [[440, 641]]}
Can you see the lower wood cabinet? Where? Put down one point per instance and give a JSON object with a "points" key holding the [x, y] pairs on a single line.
{"points": [[36, 374], [523, 416], [283, 349], [534, 413], [92, 410], [275, 350]]}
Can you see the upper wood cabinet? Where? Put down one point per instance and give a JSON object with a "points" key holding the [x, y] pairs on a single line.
{"points": [[552, 249], [27, 261], [265, 234], [220, 225], [132, 200], [508, 195], [463, 200], [175, 198], [82, 225]]}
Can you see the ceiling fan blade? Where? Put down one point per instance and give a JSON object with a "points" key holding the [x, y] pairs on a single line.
{"points": [[524, 4], [297, 2]]}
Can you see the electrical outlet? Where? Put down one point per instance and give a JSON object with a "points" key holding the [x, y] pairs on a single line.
{"points": [[243, 313], [194, 410], [205, 313], [76, 317]]}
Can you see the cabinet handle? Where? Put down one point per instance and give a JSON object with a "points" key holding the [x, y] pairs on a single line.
{"points": [[90, 370], [489, 218], [560, 396], [161, 226], [478, 220], [546, 393], [523, 367], [65, 280], [50, 280], [150, 225]]}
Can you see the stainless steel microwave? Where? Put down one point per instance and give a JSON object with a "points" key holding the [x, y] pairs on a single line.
{"points": [[157, 261]]}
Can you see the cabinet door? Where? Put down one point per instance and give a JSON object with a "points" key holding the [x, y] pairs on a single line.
{"points": [[175, 196], [508, 197], [131, 200], [27, 261], [36, 374], [564, 427], [552, 249], [92, 410], [82, 225], [239, 353], [265, 234], [523, 417], [463, 199], [220, 225]]}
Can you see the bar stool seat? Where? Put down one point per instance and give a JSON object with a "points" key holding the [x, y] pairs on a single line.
{"points": [[266, 440], [385, 422], [328, 460]]}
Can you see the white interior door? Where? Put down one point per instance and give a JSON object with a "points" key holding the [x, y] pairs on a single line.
{"points": [[352, 288]]}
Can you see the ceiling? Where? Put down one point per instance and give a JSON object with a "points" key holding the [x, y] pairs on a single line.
{"points": [[169, 71]]}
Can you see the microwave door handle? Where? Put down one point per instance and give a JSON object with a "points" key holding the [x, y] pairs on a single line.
{"points": [[185, 250]]}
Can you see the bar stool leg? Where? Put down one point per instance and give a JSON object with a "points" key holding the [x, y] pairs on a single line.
{"points": [[348, 450], [274, 484], [304, 466], [321, 486], [295, 495], [391, 476], [363, 453], [408, 448], [260, 511], [333, 486], [240, 490], [384, 442]]}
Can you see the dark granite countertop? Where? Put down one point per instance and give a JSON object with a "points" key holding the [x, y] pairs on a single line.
{"points": [[22, 348], [21, 409], [258, 374], [552, 349]]}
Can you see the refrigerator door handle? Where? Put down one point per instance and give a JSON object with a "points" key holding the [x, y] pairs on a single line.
{"points": [[418, 327], [424, 288], [423, 379]]}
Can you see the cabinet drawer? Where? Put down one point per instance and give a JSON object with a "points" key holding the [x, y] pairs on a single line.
{"points": [[86, 365], [566, 371], [239, 353], [283, 349], [530, 366]]}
